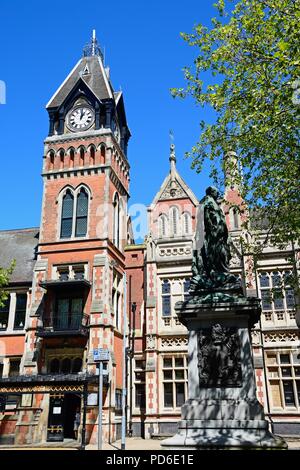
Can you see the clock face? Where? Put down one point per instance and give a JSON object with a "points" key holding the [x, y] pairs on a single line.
{"points": [[80, 118]]}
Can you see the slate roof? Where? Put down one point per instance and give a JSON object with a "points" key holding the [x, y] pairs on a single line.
{"points": [[20, 245], [96, 80]]}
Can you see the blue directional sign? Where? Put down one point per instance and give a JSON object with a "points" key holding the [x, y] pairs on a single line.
{"points": [[101, 354]]}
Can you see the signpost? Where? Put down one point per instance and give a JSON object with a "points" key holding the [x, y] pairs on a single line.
{"points": [[100, 355]]}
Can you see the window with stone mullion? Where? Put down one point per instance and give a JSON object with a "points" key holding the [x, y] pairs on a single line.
{"points": [[67, 215], [81, 214]]}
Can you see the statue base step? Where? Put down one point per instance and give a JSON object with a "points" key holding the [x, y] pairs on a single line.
{"points": [[224, 435], [223, 424]]}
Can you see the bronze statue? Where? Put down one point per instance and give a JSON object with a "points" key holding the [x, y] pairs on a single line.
{"points": [[211, 261]]}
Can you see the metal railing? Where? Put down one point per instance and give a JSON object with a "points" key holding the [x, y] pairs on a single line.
{"points": [[67, 321]]}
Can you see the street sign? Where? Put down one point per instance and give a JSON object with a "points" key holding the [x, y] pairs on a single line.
{"points": [[101, 355]]}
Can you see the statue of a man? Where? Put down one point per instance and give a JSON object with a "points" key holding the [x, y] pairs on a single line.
{"points": [[211, 261]]}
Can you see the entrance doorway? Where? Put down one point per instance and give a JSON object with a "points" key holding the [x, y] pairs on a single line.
{"points": [[71, 404], [61, 418]]}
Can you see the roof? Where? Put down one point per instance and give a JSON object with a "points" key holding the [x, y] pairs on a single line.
{"points": [[21, 245], [91, 71], [182, 189]]}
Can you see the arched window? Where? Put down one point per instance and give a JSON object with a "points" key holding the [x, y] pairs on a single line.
{"points": [[81, 213], [163, 226], [67, 215], [92, 155], [51, 160], [81, 156], [102, 155], [66, 366], [61, 159], [186, 223], [77, 364], [54, 366], [174, 220], [116, 213], [72, 157], [166, 298], [236, 219]]}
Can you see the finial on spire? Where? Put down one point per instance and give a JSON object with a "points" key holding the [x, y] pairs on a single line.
{"points": [[93, 48], [172, 152]]}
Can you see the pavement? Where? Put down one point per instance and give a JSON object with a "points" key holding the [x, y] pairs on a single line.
{"points": [[131, 443]]}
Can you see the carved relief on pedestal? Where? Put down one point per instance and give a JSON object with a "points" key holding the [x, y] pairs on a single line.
{"points": [[219, 359]]}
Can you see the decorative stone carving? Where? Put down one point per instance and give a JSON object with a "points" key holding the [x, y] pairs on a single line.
{"points": [[281, 337], [174, 342], [255, 337], [151, 342], [172, 190], [219, 358], [175, 251]]}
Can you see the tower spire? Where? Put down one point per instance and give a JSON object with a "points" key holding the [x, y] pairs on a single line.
{"points": [[172, 160], [93, 48], [172, 157]]}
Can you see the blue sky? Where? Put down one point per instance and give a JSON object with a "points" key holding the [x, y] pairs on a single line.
{"points": [[40, 44]]}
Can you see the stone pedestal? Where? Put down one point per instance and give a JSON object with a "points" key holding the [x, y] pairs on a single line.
{"points": [[222, 410]]}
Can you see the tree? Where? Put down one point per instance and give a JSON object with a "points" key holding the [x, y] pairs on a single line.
{"points": [[252, 59], [4, 279]]}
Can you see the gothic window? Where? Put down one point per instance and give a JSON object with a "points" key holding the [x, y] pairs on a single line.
{"points": [[92, 155], [166, 298], [54, 366], [81, 213], [174, 221], [67, 215], [186, 223], [66, 366], [163, 226], [51, 160], [81, 156], [186, 288], [116, 221], [236, 221], [77, 365], [277, 296], [264, 280], [102, 155], [72, 158], [173, 290], [74, 217], [61, 159]]}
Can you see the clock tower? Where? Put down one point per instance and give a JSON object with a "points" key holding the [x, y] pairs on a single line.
{"points": [[78, 286]]}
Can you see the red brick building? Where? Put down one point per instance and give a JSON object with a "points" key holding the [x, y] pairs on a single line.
{"points": [[67, 292]]}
